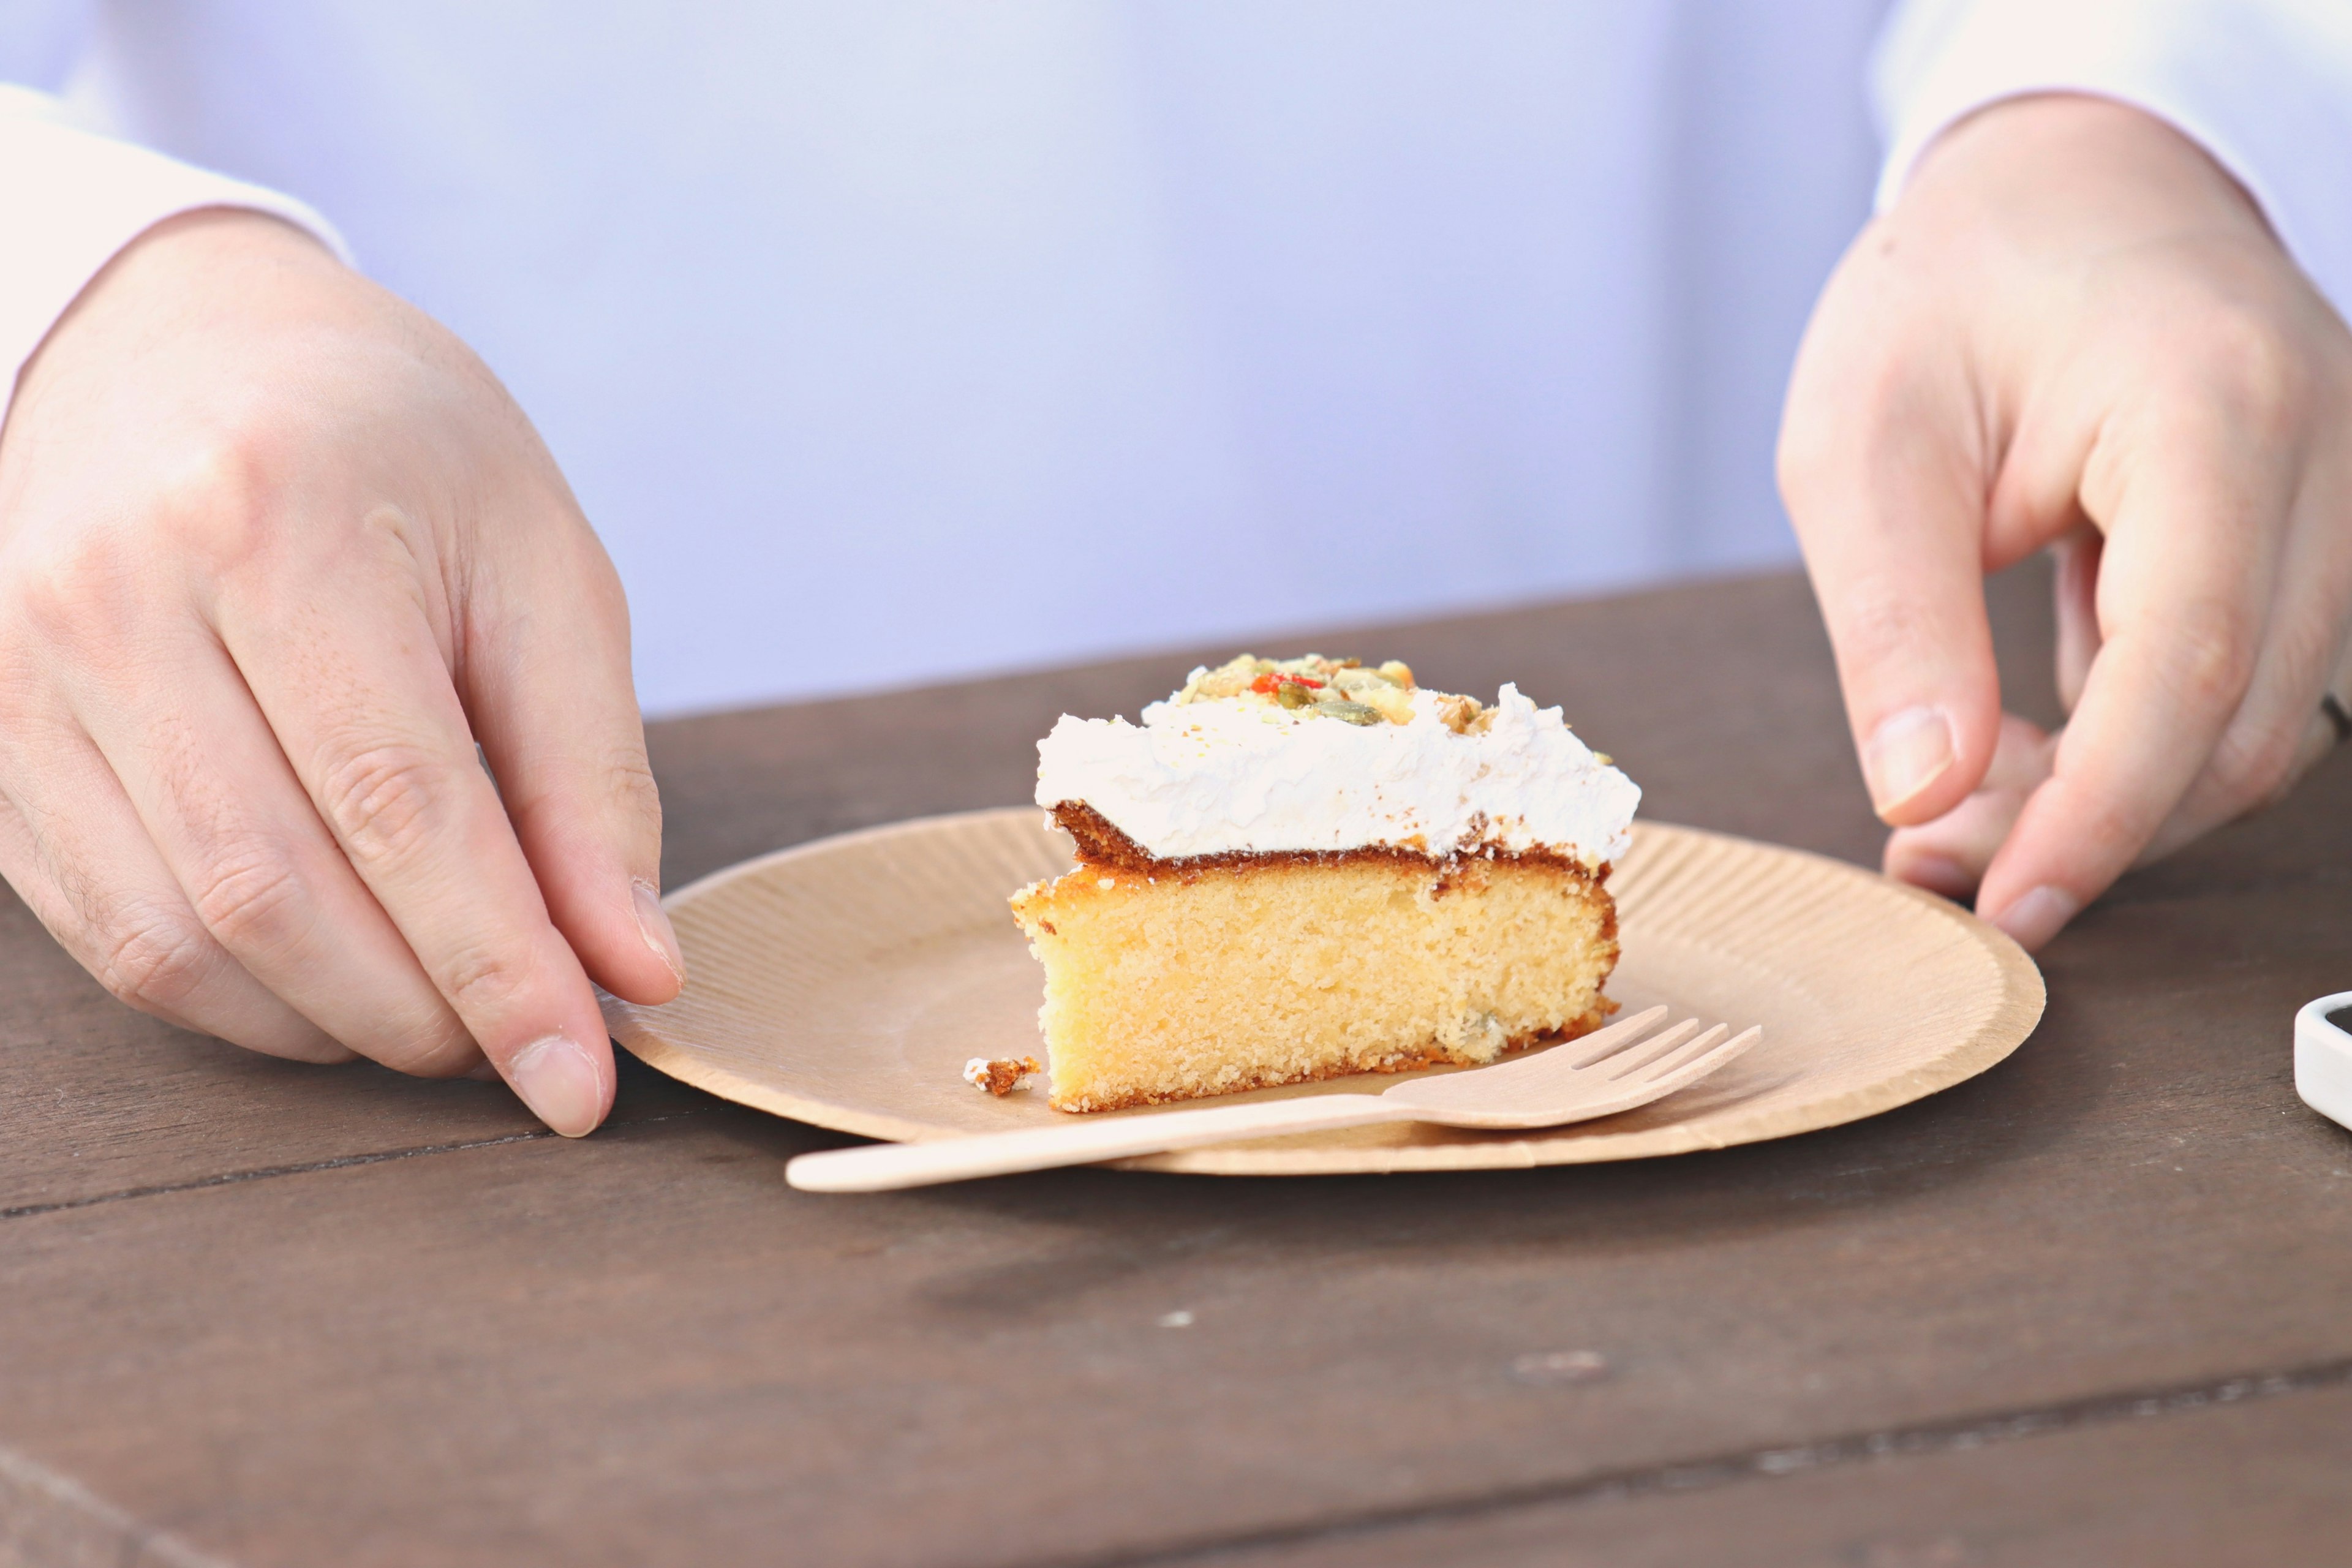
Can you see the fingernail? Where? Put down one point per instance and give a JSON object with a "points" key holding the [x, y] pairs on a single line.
{"points": [[558, 1081], [1907, 751], [2035, 917], [653, 924]]}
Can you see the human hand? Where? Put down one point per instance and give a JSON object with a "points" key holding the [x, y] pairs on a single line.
{"points": [[275, 550], [2073, 328]]}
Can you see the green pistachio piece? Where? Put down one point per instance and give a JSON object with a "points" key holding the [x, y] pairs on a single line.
{"points": [[1352, 712]]}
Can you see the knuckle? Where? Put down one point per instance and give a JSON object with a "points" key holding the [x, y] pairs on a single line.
{"points": [[153, 960], [2251, 770], [630, 779], [253, 902], [1820, 444], [441, 1048], [614, 786], [1873, 621], [78, 594], [602, 590], [2253, 369], [2108, 831], [76, 586], [382, 801], [484, 982], [1854, 463], [216, 497], [2208, 654], [1870, 357]]}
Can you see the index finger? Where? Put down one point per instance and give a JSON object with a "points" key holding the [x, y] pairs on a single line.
{"points": [[357, 687], [1885, 488]]}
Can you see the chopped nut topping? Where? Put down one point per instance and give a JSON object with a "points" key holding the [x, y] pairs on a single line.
{"points": [[1459, 714], [1343, 688], [1310, 682], [1001, 1076], [1394, 702]]}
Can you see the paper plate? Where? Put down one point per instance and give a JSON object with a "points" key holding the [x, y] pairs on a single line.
{"points": [[846, 982]]}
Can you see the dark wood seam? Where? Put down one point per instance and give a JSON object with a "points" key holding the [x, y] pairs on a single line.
{"points": [[1955, 1435], [339, 1162]]}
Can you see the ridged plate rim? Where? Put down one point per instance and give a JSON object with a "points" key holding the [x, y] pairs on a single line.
{"points": [[1922, 1064]]}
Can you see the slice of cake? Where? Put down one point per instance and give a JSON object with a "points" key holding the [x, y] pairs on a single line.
{"points": [[1298, 868]]}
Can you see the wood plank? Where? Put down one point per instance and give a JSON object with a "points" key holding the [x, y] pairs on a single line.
{"points": [[645, 1347], [99, 1099], [2254, 1483]]}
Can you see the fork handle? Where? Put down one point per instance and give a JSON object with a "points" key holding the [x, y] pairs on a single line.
{"points": [[879, 1167]]}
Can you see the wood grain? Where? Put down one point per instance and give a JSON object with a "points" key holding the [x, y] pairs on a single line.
{"points": [[97, 1099], [600, 1353], [2238, 1484], [645, 1349]]}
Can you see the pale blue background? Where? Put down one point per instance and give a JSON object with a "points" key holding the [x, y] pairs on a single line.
{"points": [[899, 340]]}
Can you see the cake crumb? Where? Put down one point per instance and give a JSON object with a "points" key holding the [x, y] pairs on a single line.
{"points": [[1003, 1075]]}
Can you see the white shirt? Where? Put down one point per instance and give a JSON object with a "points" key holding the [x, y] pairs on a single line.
{"points": [[2266, 85], [906, 340]]}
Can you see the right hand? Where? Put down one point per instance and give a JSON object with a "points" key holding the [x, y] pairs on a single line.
{"points": [[276, 552], [2075, 328]]}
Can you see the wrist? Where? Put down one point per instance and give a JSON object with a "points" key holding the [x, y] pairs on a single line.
{"points": [[192, 263], [228, 232], [2070, 163]]}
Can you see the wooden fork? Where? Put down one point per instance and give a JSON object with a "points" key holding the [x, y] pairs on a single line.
{"points": [[1615, 1069]]}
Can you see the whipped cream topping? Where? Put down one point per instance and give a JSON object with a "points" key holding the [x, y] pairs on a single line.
{"points": [[1229, 774]]}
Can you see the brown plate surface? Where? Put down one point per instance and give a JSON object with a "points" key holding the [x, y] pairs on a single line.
{"points": [[845, 982]]}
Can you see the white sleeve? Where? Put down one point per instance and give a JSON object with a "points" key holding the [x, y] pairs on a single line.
{"points": [[70, 199], [2265, 86]]}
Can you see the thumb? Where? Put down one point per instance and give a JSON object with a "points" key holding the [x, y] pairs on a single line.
{"points": [[1949, 856], [1880, 480]]}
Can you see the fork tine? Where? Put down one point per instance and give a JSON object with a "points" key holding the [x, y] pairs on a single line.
{"points": [[1628, 1062], [1708, 1060], [1631, 1094], [1660, 1063], [1607, 1042]]}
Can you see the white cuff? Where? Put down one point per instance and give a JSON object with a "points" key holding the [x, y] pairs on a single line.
{"points": [[2265, 86], [70, 199]]}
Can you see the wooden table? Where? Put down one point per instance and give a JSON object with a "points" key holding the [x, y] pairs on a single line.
{"points": [[2094, 1306]]}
